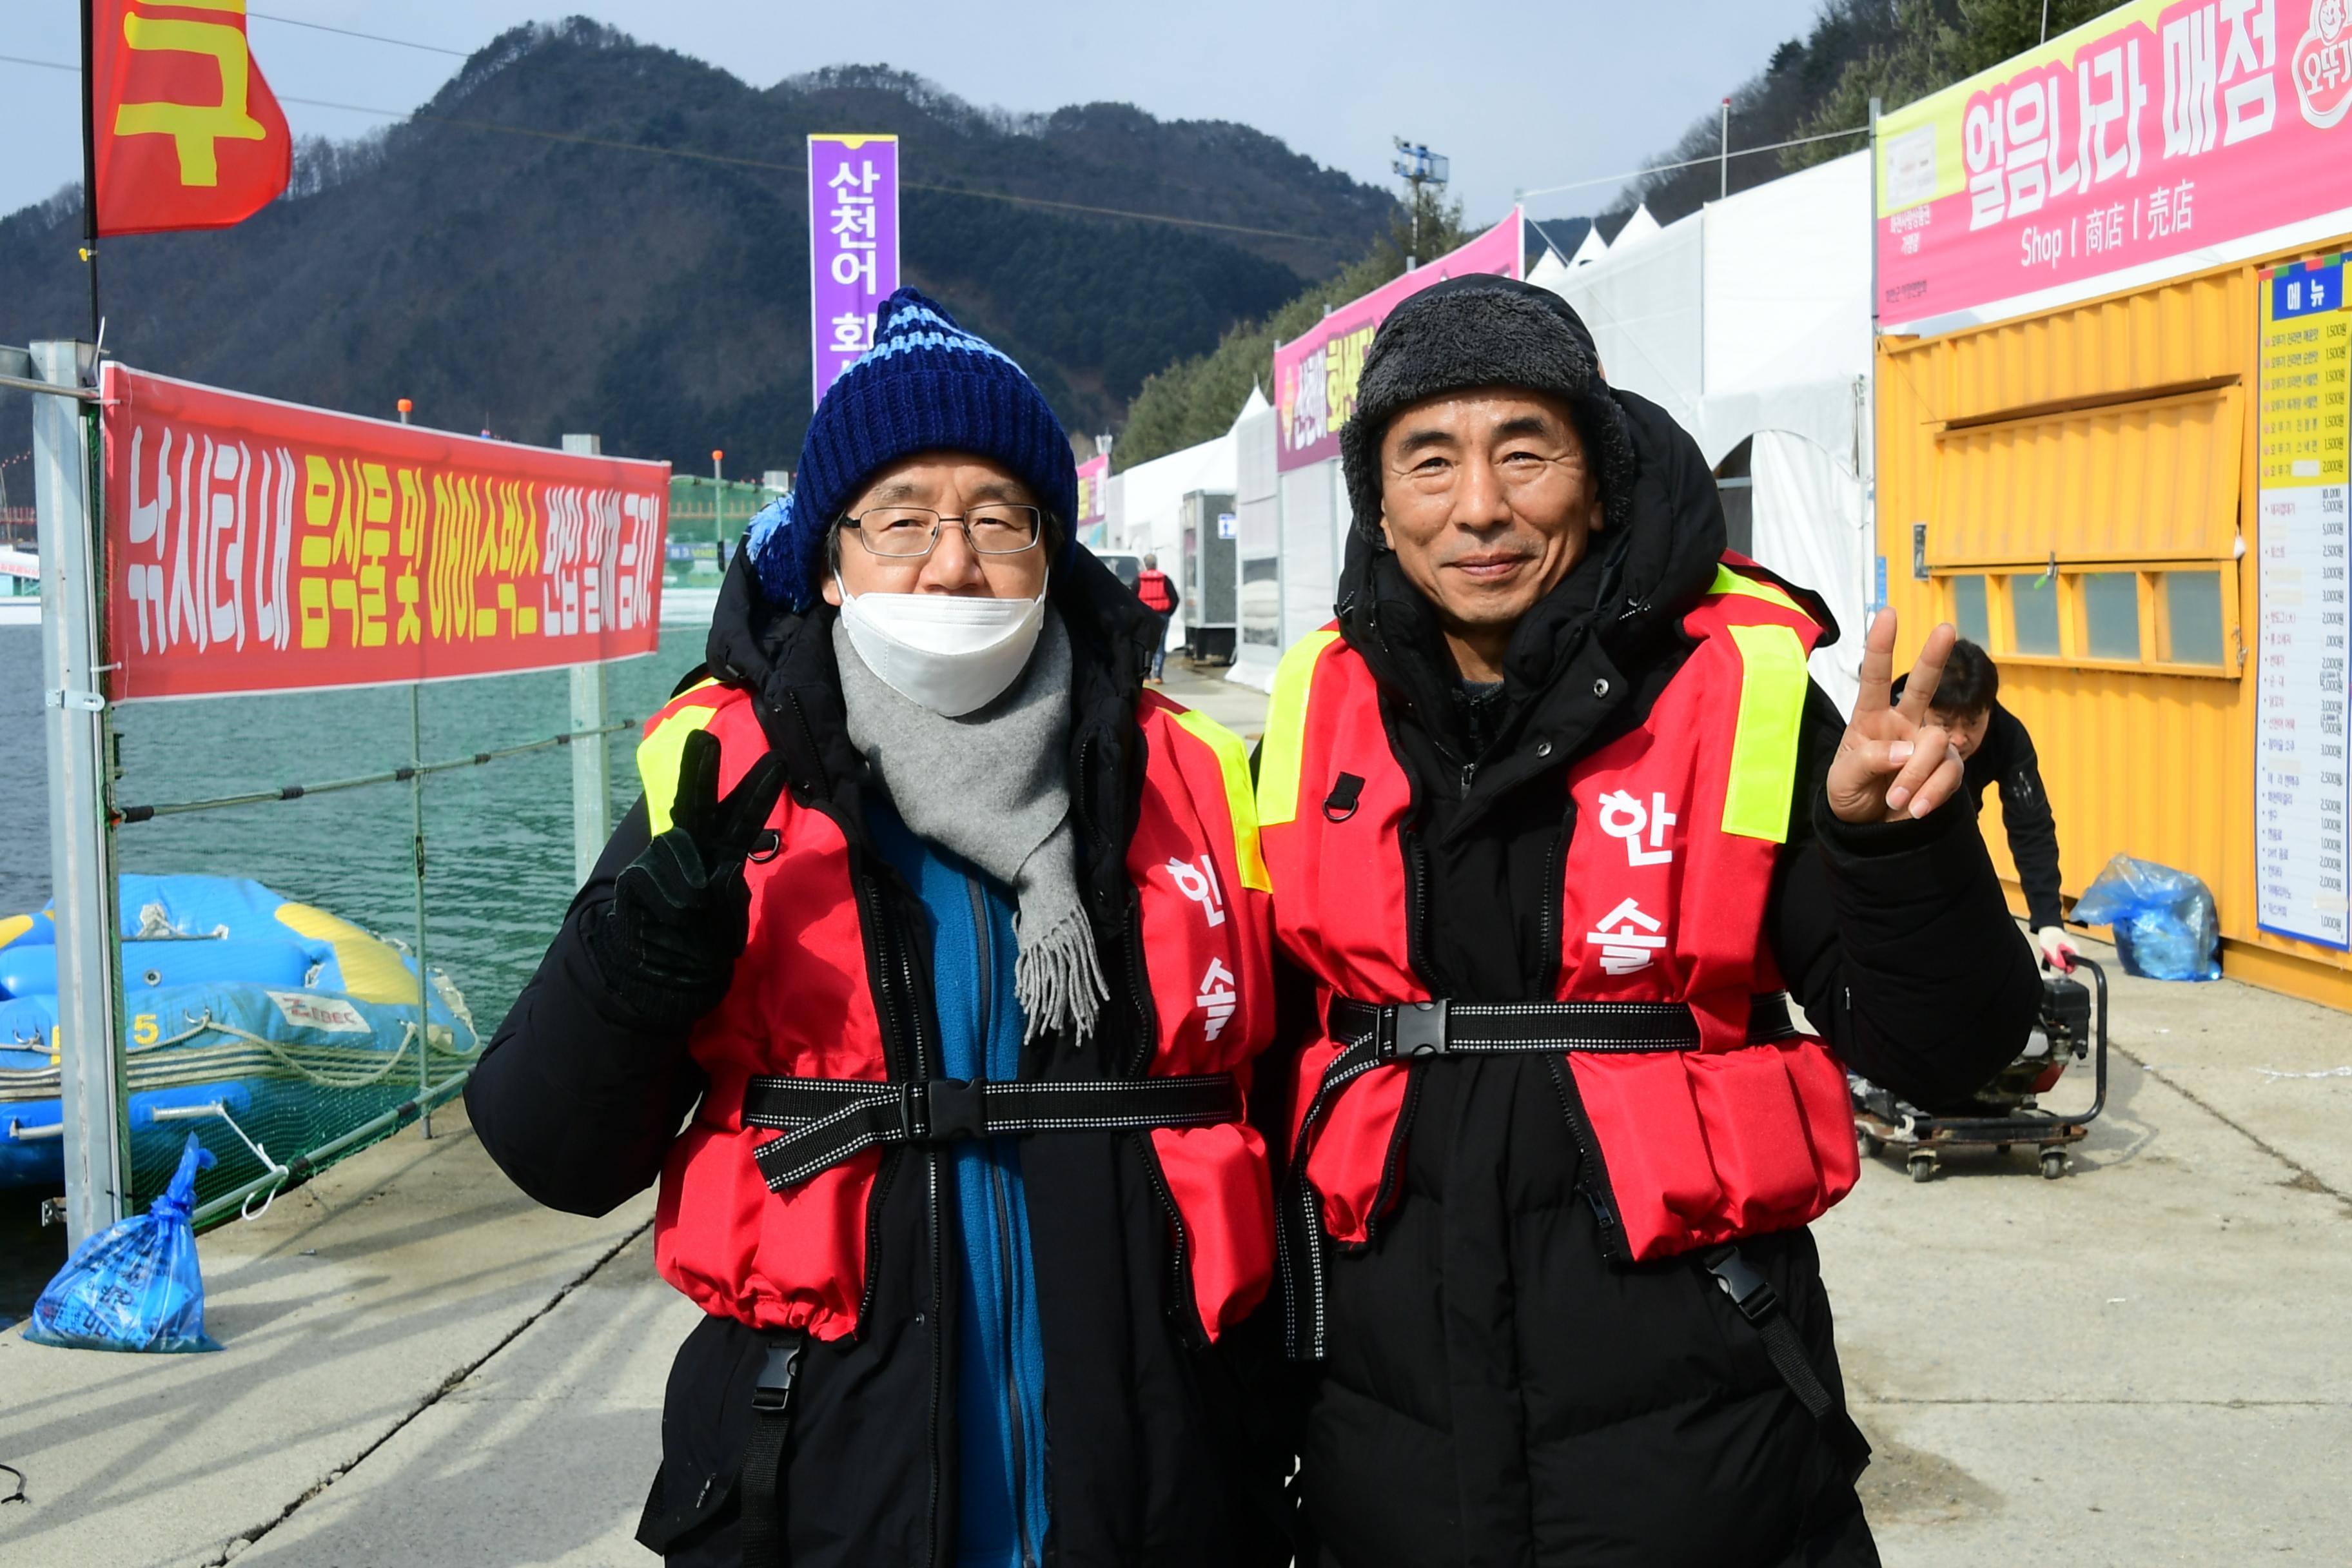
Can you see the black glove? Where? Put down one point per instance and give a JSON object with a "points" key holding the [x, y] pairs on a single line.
{"points": [[680, 914]]}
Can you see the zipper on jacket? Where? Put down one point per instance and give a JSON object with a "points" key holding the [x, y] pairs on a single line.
{"points": [[1007, 1265], [1469, 776], [1592, 1178], [897, 965], [1551, 942], [1181, 1304], [1005, 1262]]}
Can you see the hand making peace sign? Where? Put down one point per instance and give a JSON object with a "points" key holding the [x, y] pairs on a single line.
{"points": [[1892, 765]]}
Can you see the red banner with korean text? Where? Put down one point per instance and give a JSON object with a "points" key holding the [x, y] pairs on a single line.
{"points": [[253, 545], [2163, 128]]}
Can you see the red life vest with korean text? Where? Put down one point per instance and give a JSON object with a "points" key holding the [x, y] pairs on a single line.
{"points": [[1677, 825], [802, 1006]]}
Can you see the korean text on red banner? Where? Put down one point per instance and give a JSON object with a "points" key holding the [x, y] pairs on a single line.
{"points": [[259, 546], [1315, 376], [2162, 129]]}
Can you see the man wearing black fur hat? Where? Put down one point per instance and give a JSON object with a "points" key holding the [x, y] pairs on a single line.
{"points": [[1557, 825]]}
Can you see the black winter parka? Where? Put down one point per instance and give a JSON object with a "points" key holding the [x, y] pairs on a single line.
{"points": [[1157, 1457], [1498, 1391]]}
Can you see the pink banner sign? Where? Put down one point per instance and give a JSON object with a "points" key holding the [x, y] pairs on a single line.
{"points": [[1093, 477], [1315, 376], [852, 247], [2164, 126]]}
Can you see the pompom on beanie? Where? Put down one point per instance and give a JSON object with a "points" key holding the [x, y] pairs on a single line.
{"points": [[925, 385]]}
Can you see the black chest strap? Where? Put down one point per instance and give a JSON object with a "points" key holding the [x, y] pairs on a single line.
{"points": [[1372, 1035], [825, 1120]]}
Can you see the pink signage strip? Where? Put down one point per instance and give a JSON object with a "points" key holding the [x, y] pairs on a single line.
{"points": [[1093, 476], [1315, 376], [852, 247], [2162, 128]]}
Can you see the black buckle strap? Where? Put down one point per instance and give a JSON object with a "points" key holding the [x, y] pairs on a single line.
{"points": [[764, 1456], [1410, 1031], [1758, 1302], [826, 1121]]}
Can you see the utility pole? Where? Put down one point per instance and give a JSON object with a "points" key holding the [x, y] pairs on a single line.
{"points": [[1723, 158], [1420, 167]]}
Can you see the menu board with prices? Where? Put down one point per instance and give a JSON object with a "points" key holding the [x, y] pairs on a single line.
{"points": [[2302, 803]]}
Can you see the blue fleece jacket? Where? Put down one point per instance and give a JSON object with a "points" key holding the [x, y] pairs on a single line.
{"points": [[1001, 1450]]}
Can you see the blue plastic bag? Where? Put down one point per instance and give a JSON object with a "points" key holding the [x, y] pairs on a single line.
{"points": [[136, 1288], [2165, 923]]}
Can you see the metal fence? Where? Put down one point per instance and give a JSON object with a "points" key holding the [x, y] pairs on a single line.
{"points": [[298, 1105]]}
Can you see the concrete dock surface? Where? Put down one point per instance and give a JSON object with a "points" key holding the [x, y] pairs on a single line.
{"points": [[2147, 1361]]}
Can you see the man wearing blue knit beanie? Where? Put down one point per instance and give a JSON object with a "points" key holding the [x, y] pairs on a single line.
{"points": [[925, 978]]}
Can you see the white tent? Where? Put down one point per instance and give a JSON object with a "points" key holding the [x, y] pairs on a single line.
{"points": [[1144, 508], [1750, 321]]}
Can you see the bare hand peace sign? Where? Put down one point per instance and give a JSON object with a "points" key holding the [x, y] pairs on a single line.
{"points": [[1891, 762]]}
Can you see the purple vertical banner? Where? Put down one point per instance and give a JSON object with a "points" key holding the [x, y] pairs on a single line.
{"points": [[852, 247]]}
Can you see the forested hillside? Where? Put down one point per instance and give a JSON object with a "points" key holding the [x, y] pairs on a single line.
{"points": [[500, 262], [1816, 87]]}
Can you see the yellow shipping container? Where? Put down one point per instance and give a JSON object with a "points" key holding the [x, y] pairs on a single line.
{"points": [[2075, 491]]}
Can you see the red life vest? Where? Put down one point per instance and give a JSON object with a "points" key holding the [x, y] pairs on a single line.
{"points": [[1661, 900], [1151, 587], [801, 1007]]}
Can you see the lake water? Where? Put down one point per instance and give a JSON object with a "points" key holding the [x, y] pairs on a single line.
{"points": [[497, 837]]}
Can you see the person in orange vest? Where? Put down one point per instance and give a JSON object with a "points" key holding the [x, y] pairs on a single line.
{"points": [[1558, 826], [1157, 590], [926, 978]]}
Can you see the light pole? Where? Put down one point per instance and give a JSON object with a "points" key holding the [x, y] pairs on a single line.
{"points": [[1420, 167], [1723, 154], [404, 405]]}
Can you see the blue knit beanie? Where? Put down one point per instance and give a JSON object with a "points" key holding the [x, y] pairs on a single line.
{"points": [[925, 385]]}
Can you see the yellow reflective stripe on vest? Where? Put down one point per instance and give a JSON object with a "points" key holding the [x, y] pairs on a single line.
{"points": [[1284, 745], [1232, 766], [657, 760], [1772, 687], [1727, 581]]}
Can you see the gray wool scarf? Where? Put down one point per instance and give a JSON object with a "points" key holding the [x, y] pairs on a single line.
{"points": [[992, 786]]}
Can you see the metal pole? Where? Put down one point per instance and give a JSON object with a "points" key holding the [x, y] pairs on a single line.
{"points": [[89, 1036], [1867, 434], [1723, 154], [416, 844], [89, 164], [592, 778], [717, 489]]}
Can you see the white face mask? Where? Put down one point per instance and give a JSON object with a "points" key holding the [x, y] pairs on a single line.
{"points": [[950, 652]]}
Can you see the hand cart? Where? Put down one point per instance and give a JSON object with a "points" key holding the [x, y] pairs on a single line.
{"points": [[2007, 1113]]}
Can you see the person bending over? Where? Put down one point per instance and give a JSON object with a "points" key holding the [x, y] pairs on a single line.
{"points": [[1996, 749]]}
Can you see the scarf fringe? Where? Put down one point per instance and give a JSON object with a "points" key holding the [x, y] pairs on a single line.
{"points": [[1058, 977]]}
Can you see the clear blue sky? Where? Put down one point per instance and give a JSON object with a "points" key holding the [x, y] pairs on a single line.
{"points": [[1520, 96]]}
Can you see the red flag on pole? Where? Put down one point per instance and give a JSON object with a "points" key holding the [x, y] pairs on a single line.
{"points": [[186, 134]]}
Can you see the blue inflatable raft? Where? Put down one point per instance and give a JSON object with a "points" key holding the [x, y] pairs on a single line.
{"points": [[296, 1024]]}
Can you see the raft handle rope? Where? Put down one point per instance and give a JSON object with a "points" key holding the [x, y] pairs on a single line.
{"points": [[394, 775]]}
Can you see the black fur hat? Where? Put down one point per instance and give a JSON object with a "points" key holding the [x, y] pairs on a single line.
{"points": [[1482, 331]]}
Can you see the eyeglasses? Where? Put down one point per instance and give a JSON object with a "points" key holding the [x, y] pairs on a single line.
{"points": [[911, 532]]}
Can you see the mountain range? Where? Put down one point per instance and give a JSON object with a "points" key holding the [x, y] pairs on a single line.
{"points": [[581, 231]]}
